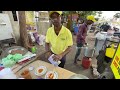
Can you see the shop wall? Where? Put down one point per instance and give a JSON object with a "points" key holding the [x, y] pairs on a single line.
{"points": [[15, 25], [43, 23], [43, 27]]}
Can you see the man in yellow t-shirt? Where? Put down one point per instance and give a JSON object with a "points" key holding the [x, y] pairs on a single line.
{"points": [[58, 39]]}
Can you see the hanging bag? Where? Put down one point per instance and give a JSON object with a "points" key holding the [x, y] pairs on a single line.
{"points": [[110, 51]]}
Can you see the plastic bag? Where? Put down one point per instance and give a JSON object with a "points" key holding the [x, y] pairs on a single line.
{"points": [[32, 36], [10, 60], [7, 73], [55, 63], [110, 51], [42, 40], [8, 63], [17, 57], [37, 37]]}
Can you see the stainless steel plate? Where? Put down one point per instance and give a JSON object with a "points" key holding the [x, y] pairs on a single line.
{"points": [[78, 76]]}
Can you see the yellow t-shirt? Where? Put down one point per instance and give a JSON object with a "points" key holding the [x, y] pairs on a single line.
{"points": [[59, 43]]}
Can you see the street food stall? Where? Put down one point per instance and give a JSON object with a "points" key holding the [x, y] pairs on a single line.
{"points": [[38, 69], [29, 67], [18, 59]]}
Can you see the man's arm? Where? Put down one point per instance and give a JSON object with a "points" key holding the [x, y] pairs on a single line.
{"points": [[60, 56], [48, 51], [69, 43], [47, 47], [66, 51]]}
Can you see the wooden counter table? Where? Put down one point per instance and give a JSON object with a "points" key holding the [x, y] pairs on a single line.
{"points": [[62, 73]]}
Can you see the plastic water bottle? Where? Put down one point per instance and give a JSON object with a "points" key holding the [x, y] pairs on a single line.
{"points": [[33, 49], [86, 50]]}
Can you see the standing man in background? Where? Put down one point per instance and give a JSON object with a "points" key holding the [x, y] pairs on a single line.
{"points": [[81, 35]]}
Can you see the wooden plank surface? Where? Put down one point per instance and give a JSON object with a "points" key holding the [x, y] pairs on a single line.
{"points": [[16, 68], [62, 73]]}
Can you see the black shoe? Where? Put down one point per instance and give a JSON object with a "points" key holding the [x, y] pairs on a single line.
{"points": [[78, 60], [75, 62]]}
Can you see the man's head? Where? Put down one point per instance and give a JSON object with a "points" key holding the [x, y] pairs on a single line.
{"points": [[55, 17], [90, 19]]}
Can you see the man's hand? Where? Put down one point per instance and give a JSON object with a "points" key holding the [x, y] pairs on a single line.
{"points": [[57, 57], [86, 44], [60, 56], [48, 54]]}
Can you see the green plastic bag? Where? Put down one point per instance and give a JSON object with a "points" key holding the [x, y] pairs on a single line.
{"points": [[11, 60], [8, 62], [17, 57], [10, 56]]}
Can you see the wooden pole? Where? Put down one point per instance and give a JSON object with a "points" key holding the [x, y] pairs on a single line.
{"points": [[71, 27], [23, 32]]}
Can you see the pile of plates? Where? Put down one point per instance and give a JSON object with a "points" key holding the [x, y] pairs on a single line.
{"points": [[78, 76]]}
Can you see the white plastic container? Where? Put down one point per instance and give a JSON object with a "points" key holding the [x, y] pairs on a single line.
{"points": [[7, 74]]}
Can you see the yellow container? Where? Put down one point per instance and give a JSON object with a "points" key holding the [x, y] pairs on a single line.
{"points": [[110, 51]]}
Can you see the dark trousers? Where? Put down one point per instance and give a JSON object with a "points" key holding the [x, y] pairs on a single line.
{"points": [[79, 45], [96, 41], [63, 60]]}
